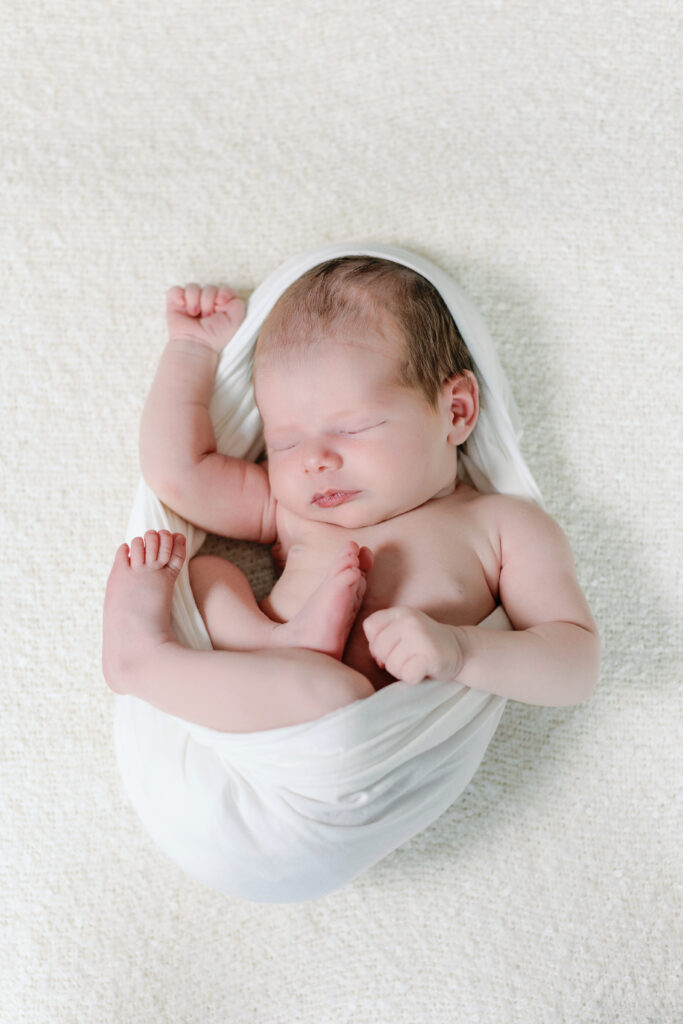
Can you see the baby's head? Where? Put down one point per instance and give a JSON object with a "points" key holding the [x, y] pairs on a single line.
{"points": [[366, 388], [348, 293]]}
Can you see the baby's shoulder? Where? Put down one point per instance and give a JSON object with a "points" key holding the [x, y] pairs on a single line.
{"points": [[505, 506], [478, 503], [517, 521], [505, 511]]}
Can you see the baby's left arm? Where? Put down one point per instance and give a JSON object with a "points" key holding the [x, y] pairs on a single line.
{"points": [[551, 658]]}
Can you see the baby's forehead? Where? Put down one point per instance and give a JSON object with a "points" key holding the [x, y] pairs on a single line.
{"points": [[334, 372], [289, 343], [330, 354]]}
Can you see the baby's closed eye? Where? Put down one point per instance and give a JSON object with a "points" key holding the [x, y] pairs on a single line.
{"points": [[281, 446], [350, 431], [286, 443]]}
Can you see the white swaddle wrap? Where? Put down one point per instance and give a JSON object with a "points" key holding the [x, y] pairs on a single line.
{"points": [[290, 814]]}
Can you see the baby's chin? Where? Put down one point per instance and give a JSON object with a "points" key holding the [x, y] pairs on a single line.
{"points": [[354, 515]]}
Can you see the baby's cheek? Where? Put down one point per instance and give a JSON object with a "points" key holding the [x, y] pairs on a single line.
{"points": [[283, 484], [275, 471]]}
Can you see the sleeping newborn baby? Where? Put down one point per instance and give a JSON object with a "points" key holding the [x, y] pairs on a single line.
{"points": [[390, 561]]}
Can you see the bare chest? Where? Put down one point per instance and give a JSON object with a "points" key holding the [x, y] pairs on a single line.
{"points": [[430, 558]]}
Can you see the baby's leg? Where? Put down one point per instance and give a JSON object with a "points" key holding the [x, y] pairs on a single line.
{"points": [[235, 622], [226, 690], [227, 605]]}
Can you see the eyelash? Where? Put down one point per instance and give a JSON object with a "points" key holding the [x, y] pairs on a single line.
{"points": [[341, 433], [362, 430]]}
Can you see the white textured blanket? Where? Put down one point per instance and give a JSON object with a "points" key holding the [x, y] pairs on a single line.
{"points": [[294, 813]]}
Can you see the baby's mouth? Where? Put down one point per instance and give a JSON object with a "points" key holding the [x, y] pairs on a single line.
{"points": [[330, 499]]}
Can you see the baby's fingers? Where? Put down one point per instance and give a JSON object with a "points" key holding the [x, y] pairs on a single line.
{"points": [[384, 637], [224, 298], [412, 670], [192, 294], [175, 297], [385, 651], [381, 620], [207, 300]]}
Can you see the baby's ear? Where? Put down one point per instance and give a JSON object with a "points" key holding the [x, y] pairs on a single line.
{"points": [[460, 395]]}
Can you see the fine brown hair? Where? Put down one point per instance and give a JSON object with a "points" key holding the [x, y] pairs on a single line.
{"points": [[343, 293]]}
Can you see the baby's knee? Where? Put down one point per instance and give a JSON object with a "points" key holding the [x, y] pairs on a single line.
{"points": [[358, 686], [210, 573], [341, 685], [317, 683]]}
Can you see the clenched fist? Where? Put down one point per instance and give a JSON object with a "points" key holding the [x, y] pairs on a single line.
{"points": [[411, 646]]}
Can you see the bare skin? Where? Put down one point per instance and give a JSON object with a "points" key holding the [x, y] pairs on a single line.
{"points": [[357, 463], [231, 691], [138, 602], [235, 621]]}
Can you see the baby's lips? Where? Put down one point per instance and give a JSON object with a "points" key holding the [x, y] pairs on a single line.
{"points": [[332, 498]]}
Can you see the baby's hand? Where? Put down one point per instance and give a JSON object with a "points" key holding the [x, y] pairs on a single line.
{"points": [[209, 315], [411, 646]]}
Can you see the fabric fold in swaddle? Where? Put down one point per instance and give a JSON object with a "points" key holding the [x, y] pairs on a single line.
{"points": [[291, 814]]}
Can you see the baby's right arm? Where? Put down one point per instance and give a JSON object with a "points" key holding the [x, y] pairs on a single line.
{"points": [[178, 455]]}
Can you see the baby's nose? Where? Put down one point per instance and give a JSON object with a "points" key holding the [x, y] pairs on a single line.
{"points": [[320, 456]]}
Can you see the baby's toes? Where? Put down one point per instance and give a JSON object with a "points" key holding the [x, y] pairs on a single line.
{"points": [[348, 556], [121, 558], [359, 594], [165, 547], [137, 553], [365, 559], [350, 576], [151, 547], [177, 556]]}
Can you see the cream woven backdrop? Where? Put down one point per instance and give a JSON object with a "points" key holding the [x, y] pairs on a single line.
{"points": [[533, 150]]}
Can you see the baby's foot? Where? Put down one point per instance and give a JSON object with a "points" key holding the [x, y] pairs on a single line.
{"points": [[208, 315], [137, 604], [325, 621]]}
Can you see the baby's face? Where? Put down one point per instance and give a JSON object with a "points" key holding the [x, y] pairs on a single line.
{"points": [[347, 442]]}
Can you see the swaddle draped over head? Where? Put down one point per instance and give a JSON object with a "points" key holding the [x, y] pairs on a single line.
{"points": [[294, 813], [490, 458], [351, 296]]}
